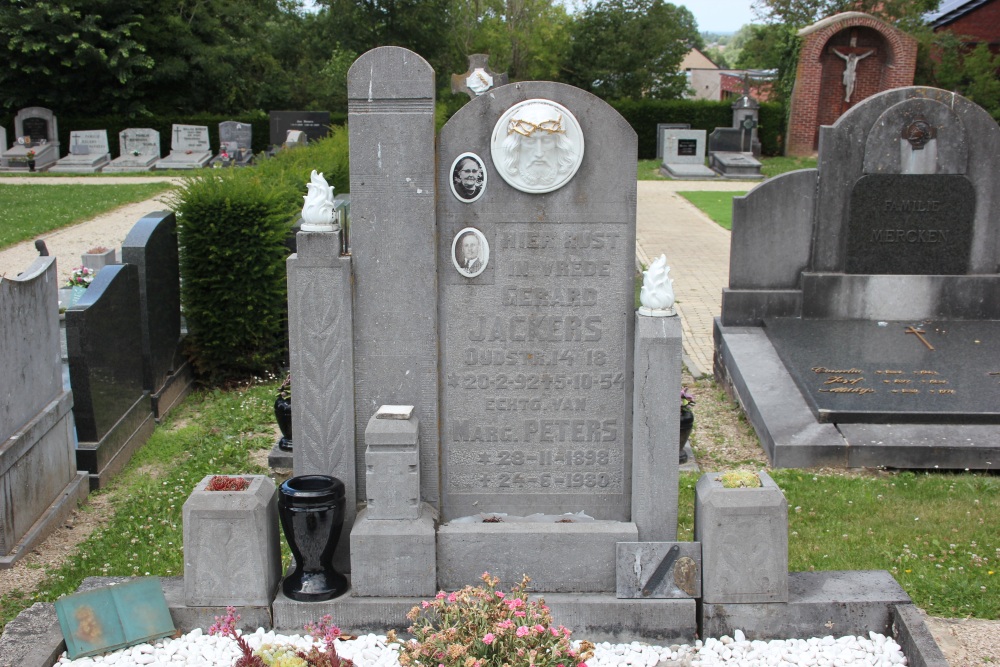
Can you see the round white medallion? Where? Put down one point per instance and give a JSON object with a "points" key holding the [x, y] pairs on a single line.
{"points": [[537, 146], [470, 252]]}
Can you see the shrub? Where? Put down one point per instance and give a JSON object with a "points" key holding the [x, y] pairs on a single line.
{"points": [[231, 228], [484, 627]]}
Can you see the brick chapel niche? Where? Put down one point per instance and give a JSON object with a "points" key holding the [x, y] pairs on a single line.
{"points": [[881, 56]]}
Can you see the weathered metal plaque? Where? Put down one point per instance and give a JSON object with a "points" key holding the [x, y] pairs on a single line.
{"points": [[111, 618]]}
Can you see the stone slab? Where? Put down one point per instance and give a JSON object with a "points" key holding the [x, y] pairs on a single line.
{"points": [[184, 160], [736, 165], [175, 388], [910, 224], [279, 458], [697, 172], [834, 603], [656, 427], [597, 617], [749, 369], [913, 637], [730, 140], [660, 127], [639, 568], [54, 516], [33, 638], [559, 557], [106, 457], [139, 150], [858, 371], [392, 469], [394, 557]]}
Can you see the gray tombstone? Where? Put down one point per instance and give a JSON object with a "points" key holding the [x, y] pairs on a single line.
{"points": [[660, 128], [36, 140], [684, 154], [189, 148], [104, 347], [315, 124], [536, 348], [88, 152], [39, 482], [151, 245], [139, 150], [869, 290], [235, 145], [730, 153]]}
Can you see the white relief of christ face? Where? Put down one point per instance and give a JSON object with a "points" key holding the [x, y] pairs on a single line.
{"points": [[537, 146]]}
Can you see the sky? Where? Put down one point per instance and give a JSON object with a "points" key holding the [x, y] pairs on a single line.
{"points": [[719, 15]]}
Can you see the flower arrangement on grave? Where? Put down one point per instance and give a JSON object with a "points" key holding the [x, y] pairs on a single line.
{"points": [[136, 152], [29, 155], [687, 400], [282, 655], [485, 627], [81, 276], [97, 250], [227, 483]]}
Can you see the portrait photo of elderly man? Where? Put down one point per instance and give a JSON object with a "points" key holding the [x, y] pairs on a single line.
{"points": [[468, 177], [537, 146], [470, 252]]}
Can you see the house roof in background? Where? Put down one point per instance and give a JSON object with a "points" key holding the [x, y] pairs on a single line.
{"points": [[695, 59], [952, 10]]}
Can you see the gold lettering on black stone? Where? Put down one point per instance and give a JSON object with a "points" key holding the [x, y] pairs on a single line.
{"points": [[861, 391], [849, 371]]}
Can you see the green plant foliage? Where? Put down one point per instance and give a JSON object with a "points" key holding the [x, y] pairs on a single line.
{"points": [[631, 48], [643, 116], [232, 225]]}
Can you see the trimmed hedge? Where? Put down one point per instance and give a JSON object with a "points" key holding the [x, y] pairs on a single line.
{"points": [[644, 115], [231, 228], [163, 124]]}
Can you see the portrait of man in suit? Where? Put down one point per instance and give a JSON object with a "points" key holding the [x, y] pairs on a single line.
{"points": [[470, 252]]}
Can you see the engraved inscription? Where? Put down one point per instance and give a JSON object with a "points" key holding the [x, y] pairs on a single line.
{"points": [[908, 236], [852, 380]]}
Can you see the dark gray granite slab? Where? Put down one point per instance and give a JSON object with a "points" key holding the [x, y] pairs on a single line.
{"points": [[316, 124], [856, 371], [910, 224]]}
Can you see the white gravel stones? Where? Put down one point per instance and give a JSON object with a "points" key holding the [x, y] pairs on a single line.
{"points": [[197, 649]]}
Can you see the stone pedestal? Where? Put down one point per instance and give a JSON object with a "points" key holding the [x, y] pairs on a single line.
{"points": [[393, 468], [656, 414], [393, 558], [322, 364], [744, 541], [231, 548]]}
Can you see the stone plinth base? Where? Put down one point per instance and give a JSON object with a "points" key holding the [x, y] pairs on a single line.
{"points": [[394, 556]]}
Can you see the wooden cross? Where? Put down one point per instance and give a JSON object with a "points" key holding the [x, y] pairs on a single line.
{"points": [[917, 333]]}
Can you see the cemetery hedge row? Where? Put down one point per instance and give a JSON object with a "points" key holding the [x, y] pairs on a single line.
{"points": [[643, 116], [232, 225], [115, 124]]}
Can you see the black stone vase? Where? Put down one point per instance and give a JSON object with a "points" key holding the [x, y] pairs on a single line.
{"points": [[687, 425], [31, 165], [311, 508], [283, 415]]}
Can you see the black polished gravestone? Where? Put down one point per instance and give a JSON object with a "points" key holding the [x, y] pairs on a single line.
{"points": [[910, 224], [104, 346], [729, 140], [315, 124], [151, 245], [892, 372], [37, 128]]}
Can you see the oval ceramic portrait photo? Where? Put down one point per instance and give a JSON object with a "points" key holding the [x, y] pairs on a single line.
{"points": [[537, 146], [468, 177], [470, 252]]}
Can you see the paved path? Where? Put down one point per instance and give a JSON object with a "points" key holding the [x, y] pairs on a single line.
{"points": [[697, 249]]}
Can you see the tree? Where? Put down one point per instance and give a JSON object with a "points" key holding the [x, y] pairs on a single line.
{"points": [[953, 63], [528, 39], [631, 48], [799, 13], [72, 54]]}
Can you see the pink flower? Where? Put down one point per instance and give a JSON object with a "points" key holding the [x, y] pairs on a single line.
{"points": [[567, 632], [539, 628], [522, 631], [519, 613], [505, 624], [514, 603], [500, 594], [452, 597], [440, 595], [425, 604], [488, 638]]}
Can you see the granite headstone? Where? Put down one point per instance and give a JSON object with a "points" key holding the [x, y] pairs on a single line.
{"points": [[88, 152], [104, 347], [36, 132], [684, 154], [139, 150], [235, 144], [189, 148], [315, 124]]}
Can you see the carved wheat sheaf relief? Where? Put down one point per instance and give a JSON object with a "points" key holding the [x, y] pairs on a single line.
{"points": [[324, 360]]}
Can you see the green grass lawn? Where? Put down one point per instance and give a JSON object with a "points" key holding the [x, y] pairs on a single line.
{"points": [[31, 210], [937, 533], [649, 170], [718, 205]]}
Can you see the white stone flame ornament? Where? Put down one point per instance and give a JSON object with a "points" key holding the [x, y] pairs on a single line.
{"points": [[318, 213], [657, 293]]}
